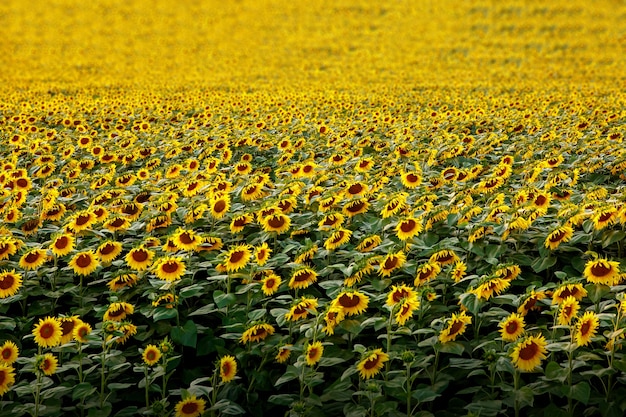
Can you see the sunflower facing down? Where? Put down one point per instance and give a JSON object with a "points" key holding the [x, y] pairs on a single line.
{"points": [[456, 327], [426, 273], [301, 309], [371, 363], [284, 352], [568, 310], [228, 368], [337, 238], [557, 236], [602, 271], [10, 283], [334, 315], [67, 327], [399, 292], [257, 332], [530, 302], [390, 263], [302, 278], [190, 407], [406, 308], [277, 223], [565, 290], [353, 302], [118, 311], [528, 353]]}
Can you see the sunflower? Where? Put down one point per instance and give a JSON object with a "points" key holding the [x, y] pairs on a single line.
{"points": [[512, 327], [586, 328], [84, 263], [190, 407], [306, 253], [228, 368], [47, 364], [252, 192], [575, 290], [456, 327], [301, 309], [459, 271], [284, 352], [508, 272], [48, 332], [444, 257], [530, 302], [335, 314], [411, 179], [371, 363], [10, 283], [426, 273], [81, 331], [186, 239], [109, 250], [67, 328], [62, 245], [409, 227], [568, 310], [355, 207], [369, 243], [528, 353], [168, 300], [559, 235], [262, 254], [314, 353], [123, 280], [271, 283], [127, 329], [337, 238], [33, 259], [82, 220], [331, 220], [7, 377], [352, 301], [492, 285], [398, 293], [601, 271], [8, 247], [604, 217], [117, 224], [169, 268], [151, 355], [277, 222], [139, 258], [237, 258], [406, 308], [302, 278], [257, 332], [118, 311], [390, 263], [8, 352], [219, 206]]}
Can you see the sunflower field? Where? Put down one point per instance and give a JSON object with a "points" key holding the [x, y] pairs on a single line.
{"points": [[327, 208]]}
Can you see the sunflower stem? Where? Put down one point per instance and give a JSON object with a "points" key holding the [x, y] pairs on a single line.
{"points": [[516, 378], [389, 338], [102, 367], [408, 389], [570, 405], [147, 388]]}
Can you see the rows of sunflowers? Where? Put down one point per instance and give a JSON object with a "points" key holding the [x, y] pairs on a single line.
{"points": [[338, 208]]}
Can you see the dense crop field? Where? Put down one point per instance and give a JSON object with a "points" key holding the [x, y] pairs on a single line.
{"points": [[401, 208]]}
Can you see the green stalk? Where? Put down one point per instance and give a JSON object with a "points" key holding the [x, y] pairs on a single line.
{"points": [[408, 389], [147, 388], [516, 377], [37, 392]]}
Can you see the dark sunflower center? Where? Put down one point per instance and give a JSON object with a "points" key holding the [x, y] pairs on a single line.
{"points": [[399, 295], [82, 219], [151, 355], [107, 249], [605, 217], [276, 222], [355, 207], [117, 222], [338, 237], [456, 327], [347, 302], [529, 351], [6, 354], [83, 261], [408, 226], [189, 408], [46, 331], [444, 258], [259, 332], [302, 276], [371, 363], [236, 256], [412, 178], [540, 200], [511, 327], [170, 267], [355, 189], [7, 281], [4, 247], [67, 326], [186, 238], [219, 206], [140, 255], [269, 283], [557, 236], [32, 257], [600, 270]]}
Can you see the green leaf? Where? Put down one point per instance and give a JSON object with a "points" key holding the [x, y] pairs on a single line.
{"points": [[581, 392], [424, 395], [222, 299], [485, 407], [611, 236], [452, 347], [162, 313], [186, 335], [524, 396], [541, 264], [597, 291], [82, 390], [554, 371], [290, 374], [283, 399]]}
